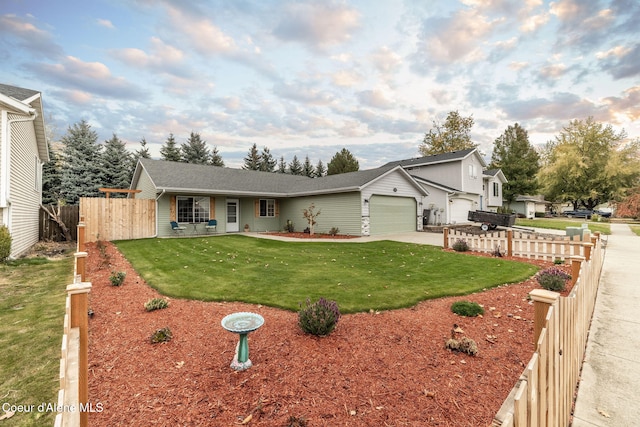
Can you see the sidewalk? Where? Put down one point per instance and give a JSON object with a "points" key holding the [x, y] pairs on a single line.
{"points": [[609, 389]]}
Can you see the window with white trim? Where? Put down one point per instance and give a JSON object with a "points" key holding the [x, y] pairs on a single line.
{"points": [[472, 171], [496, 189], [193, 209], [267, 208]]}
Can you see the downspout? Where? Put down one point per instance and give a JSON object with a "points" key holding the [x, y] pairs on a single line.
{"points": [[157, 219], [5, 199]]}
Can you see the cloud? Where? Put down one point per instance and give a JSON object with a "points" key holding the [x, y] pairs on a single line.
{"points": [[37, 42], [105, 23], [302, 92], [317, 25], [562, 106], [626, 105], [375, 98], [621, 61], [346, 78], [386, 61], [159, 58], [90, 77]]}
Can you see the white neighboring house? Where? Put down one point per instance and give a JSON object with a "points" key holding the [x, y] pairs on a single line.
{"points": [[23, 151], [457, 183]]}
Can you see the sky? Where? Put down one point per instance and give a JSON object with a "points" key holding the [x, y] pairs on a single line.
{"points": [[308, 78]]}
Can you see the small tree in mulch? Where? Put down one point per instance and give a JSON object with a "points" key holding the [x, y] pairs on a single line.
{"points": [[310, 215]]}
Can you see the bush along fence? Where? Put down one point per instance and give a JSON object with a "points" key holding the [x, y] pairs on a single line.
{"points": [[73, 397], [543, 395], [519, 244]]}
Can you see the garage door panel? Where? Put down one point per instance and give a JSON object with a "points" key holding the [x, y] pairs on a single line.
{"points": [[392, 214], [460, 210]]}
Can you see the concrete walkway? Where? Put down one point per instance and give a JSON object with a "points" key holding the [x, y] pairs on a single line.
{"points": [[609, 390]]}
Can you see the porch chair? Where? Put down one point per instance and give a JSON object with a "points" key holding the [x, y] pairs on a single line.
{"points": [[177, 229], [212, 225]]}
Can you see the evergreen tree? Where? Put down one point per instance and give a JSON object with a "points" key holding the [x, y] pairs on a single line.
{"points": [[170, 151], [267, 162], [52, 178], [453, 135], [252, 161], [195, 150], [216, 158], [295, 167], [82, 173], [282, 165], [142, 153], [518, 160], [117, 165], [320, 169], [342, 162], [307, 168]]}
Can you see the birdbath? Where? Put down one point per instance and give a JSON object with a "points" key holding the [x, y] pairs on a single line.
{"points": [[242, 323]]}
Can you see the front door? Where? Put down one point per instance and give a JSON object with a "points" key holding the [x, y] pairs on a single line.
{"points": [[232, 216]]}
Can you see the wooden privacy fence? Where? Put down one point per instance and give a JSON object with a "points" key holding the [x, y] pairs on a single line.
{"points": [[118, 219], [50, 230], [516, 243], [73, 397], [543, 396]]}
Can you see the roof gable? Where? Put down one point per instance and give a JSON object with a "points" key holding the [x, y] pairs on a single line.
{"points": [[453, 156]]}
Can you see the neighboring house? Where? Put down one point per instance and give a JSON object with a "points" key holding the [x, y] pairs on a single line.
{"points": [[369, 202], [457, 183], [23, 150], [528, 206]]}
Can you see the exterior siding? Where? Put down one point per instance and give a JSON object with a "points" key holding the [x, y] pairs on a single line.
{"points": [[25, 187], [436, 202], [342, 210], [448, 174], [148, 190], [491, 200], [248, 215], [471, 184]]}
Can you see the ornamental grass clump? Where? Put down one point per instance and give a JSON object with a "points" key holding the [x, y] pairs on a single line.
{"points": [[319, 318], [553, 279], [156, 304], [460, 246]]}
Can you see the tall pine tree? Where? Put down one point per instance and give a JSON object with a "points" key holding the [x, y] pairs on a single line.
{"points": [[82, 173], [216, 158], [142, 153], [170, 151], [295, 167], [282, 165], [267, 162], [307, 168], [117, 165], [320, 169], [195, 150], [52, 178], [252, 161]]}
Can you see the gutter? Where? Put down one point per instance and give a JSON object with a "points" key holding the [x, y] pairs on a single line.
{"points": [[5, 199], [157, 219]]}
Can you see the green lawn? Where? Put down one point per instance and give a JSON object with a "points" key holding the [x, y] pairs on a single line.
{"points": [[635, 229], [32, 296], [359, 276], [563, 223]]}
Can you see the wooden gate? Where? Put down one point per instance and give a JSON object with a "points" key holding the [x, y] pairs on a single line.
{"points": [[118, 219]]}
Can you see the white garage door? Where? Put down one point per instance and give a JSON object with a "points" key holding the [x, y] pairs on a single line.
{"points": [[460, 210], [390, 214]]}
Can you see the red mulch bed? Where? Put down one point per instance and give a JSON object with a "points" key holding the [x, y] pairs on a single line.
{"points": [[376, 369]]}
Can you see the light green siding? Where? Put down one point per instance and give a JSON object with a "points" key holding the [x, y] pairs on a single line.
{"points": [[392, 214], [340, 210], [148, 189]]}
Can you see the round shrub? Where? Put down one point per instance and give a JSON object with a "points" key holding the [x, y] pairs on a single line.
{"points": [[161, 335], [117, 279], [467, 308], [5, 243], [319, 318], [460, 246], [553, 279]]}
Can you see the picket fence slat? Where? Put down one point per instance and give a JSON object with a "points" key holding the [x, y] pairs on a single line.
{"points": [[118, 218]]}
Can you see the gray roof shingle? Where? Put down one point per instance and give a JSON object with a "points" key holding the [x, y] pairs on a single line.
{"points": [[437, 158], [17, 92]]}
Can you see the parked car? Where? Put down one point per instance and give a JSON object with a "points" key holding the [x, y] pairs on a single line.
{"points": [[604, 214], [580, 213]]}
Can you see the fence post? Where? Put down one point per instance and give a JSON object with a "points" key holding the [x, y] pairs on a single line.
{"points": [[79, 293], [576, 262], [587, 250], [81, 234], [446, 237], [542, 300], [509, 242]]}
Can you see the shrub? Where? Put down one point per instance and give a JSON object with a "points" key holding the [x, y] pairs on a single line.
{"points": [[334, 231], [464, 345], [553, 279], [117, 279], [156, 304], [467, 308], [319, 318], [161, 335], [460, 246], [558, 261], [5, 243], [288, 227]]}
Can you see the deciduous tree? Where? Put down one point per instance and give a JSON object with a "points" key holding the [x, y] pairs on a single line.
{"points": [[518, 160], [452, 135], [589, 164]]}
